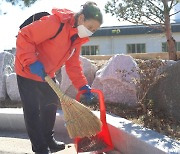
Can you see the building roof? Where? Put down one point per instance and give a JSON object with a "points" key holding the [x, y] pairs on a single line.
{"points": [[131, 30]]}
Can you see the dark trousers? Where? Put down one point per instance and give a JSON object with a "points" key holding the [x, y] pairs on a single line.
{"points": [[39, 106]]}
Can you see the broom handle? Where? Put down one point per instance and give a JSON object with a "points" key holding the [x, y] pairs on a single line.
{"points": [[54, 86]]}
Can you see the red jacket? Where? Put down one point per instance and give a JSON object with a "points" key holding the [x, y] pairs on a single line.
{"points": [[33, 43]]}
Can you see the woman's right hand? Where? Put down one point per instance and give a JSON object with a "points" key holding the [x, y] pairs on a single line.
{"points": [[37, 68]]}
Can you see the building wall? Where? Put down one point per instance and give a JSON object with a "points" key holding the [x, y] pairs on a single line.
{"points": [[117, 44]]}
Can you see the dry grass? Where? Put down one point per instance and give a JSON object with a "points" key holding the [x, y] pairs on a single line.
{"points": [[153, 119]]}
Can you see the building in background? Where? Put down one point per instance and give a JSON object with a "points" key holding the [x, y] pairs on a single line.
{"points": [[129, 39]]}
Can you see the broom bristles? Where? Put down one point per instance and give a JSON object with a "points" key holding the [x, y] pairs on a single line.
{"points": [[80, 121]]}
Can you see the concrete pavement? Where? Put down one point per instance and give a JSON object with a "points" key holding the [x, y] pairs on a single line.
{"points": [[18, 143]]}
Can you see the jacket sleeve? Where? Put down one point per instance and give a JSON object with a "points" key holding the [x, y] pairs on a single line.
{"points": [[32, 35], [74, 70]]}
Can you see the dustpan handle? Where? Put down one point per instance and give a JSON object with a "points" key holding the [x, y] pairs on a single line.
{"points": [[101, 102]]}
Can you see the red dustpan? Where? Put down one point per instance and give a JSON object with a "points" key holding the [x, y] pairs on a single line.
{"points": [[101, 142]]}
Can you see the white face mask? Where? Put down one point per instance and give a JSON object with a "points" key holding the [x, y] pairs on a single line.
{"points": [[83, 31]]}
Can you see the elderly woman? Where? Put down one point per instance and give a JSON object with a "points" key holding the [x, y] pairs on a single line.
{"points": [[37, 52]]}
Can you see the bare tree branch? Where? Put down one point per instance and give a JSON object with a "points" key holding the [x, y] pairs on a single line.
{"points": [[150, 1], [171, 5], [162, 19], [151, 19], [161, 27], [174, 13], [156, 12], [175, 4]]}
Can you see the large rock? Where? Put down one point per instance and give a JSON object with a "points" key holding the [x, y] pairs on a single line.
{"points": [[6, 67], [89, 70], [164, 64], [115, 80], [166, 92], [12, 87]]}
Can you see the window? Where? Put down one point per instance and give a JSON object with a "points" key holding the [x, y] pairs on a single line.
{"points": [[89, 50], [165, 49], [178, 46], [136, 48]]}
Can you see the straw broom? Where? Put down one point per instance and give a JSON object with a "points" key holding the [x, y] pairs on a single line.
{"points": [[80, 121]]}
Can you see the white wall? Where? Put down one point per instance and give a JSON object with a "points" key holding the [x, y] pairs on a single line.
{"points": [[104, 44], [117, 44]]}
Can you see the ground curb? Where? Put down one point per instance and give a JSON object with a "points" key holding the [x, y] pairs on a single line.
{"points": [[128, 138]]}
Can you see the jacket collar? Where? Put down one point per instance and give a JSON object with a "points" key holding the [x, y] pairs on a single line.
{"points": [[67, 16]]}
